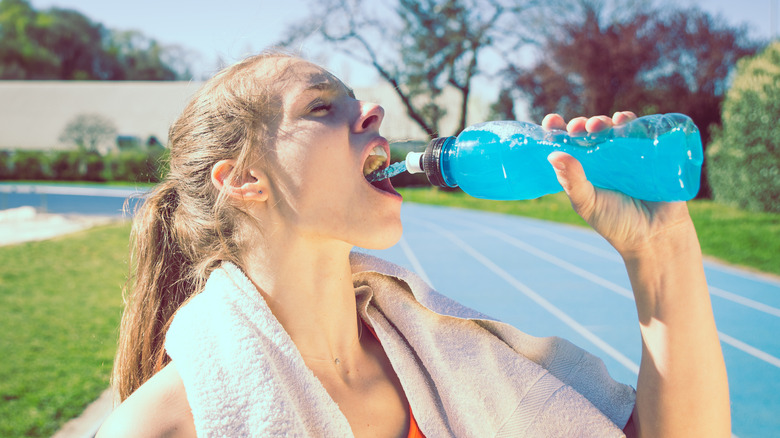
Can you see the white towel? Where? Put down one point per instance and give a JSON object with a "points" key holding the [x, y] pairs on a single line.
{"points": [[463, 374]]}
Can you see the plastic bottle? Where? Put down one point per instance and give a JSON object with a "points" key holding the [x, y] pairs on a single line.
{"points": [[653, 158]]}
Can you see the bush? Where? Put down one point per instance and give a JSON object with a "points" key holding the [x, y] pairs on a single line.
{"points": [[142, 165], [6, 168], [65, 165], [135, 165], [744, 157], [30, 165], [93, 166]]}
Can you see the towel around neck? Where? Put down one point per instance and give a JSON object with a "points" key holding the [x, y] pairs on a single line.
{"points": [[464, 374]]}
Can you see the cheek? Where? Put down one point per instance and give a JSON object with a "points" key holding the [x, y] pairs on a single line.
{"points": [[318, 177]]}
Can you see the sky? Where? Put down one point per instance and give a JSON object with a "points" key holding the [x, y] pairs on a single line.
{"points": [[228, 30]]}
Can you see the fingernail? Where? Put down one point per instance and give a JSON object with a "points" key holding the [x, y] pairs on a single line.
{"points": [[557, 164]]}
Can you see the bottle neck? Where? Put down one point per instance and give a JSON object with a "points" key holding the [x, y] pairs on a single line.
{"points": [[432, 161]]}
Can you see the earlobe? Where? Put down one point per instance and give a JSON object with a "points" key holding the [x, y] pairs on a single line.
{"points": [[249, 185]]}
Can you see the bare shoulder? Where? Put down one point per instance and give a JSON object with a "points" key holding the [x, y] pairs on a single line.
{"points": [[158, 408]]}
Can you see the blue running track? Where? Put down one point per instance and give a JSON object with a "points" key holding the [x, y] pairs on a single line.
{"points": [[551, 279]]}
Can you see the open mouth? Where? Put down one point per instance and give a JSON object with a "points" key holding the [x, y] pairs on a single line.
{"points": [[377, 160]]}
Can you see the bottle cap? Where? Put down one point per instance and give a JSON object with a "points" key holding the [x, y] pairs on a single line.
{"points": [[431, 161]]}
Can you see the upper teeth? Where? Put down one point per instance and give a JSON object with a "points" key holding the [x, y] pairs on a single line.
{"points": [[378, 150], [375, 160]]}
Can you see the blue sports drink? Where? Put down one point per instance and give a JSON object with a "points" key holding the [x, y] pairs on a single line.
{"points": [[653, 158]]}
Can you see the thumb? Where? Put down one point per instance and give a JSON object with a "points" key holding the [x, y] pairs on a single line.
{"points": [[572, 178]]}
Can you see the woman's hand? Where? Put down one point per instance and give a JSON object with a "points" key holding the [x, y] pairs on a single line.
{"points": [[682, 389], [628, 224]]}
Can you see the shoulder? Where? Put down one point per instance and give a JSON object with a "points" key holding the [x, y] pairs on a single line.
{"points": [[158, 408]]}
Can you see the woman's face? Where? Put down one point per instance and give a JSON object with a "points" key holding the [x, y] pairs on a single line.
{"points": [[324, 139]]}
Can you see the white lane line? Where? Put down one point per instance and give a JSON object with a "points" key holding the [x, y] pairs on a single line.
{"points": [[759, 277], [749, 349], [538, 299], [620, 290], [416, 265], [726, 295], [747, 302], [75, 191], [607, 254]]}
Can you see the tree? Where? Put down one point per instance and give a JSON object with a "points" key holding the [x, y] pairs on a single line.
{"points": [[140, 58], [420, 46], [642, 58], [88, 132], [745, 154], [646, 59], [74, 41], [64, 44], [20, 53]]}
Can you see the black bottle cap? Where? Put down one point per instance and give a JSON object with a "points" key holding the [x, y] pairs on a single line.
{"points": [[431, 161]]}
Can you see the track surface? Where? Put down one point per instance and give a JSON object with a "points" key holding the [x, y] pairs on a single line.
{"points": [[551, 279]]}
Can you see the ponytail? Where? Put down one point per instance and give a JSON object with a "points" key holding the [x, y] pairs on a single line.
{"points": [[185, 228], [160, 285]]}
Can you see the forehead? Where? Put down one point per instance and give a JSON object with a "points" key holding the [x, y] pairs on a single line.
{"points": [[301, 77]]}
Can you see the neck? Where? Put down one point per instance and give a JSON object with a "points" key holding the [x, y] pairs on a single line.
{"points": [[308, 287]]}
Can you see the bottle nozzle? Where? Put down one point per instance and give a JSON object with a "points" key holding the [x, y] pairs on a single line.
{"points": [[414, 162]]}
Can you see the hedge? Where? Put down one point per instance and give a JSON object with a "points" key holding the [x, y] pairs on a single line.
{"points": [[744, 157], [138, 164], [132, 165]]}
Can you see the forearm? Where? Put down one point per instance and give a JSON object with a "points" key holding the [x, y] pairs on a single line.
{"points": [[682, 388]]}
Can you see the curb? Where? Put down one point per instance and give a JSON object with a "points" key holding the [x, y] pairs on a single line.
{"points": [[24, 224], [87, 424]]}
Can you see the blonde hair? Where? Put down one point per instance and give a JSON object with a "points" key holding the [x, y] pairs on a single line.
{"points": [[185, 228]]}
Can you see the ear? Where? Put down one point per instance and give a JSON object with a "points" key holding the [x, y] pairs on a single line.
{"points": [[250, 185]]}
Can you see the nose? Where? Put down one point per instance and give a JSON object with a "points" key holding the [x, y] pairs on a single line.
{"points": [[370, 117]]}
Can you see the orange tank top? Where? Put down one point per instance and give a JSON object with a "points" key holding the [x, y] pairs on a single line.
{"points": [[414, 429]]}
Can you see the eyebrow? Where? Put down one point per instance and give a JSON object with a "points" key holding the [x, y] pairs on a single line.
{"points": [[331, 86]]}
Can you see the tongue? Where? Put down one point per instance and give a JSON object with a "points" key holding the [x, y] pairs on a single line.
{"points": [[384, 185]]}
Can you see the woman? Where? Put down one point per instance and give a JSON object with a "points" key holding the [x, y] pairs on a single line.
{"points": [[249, 315]]}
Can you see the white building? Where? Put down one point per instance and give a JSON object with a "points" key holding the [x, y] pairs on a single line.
{"points": [[33, 114]]}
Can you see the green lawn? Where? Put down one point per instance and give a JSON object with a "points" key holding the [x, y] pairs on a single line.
{"points": [[60, 302], [732, 235], [739, 237]]}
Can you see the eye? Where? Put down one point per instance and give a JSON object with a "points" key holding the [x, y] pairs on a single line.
{"points": [[319, 108]]}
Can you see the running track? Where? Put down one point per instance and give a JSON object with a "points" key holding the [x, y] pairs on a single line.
{"points": [[548, 279]]}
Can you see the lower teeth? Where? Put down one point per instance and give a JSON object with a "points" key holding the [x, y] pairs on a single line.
{"points": [[373, 163]]}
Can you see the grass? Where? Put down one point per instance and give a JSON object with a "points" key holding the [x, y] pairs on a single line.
{"points": [[61, 303], [735, 236]]}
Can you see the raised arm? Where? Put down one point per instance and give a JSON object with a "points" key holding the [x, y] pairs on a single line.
{"points": [[682, 388]]}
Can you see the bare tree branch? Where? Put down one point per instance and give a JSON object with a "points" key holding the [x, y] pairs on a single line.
{"points": [[420, 47]]}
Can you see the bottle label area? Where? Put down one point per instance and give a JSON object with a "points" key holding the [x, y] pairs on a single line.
{"points": [[508, 160]]}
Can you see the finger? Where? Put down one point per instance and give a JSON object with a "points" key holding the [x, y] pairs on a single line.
{"points": [[622, 117], [598, 123], [576, 125], [553, 121], [572, 178]]}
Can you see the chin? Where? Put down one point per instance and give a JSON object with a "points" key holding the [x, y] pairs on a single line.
{"points": [[384, 237]]}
